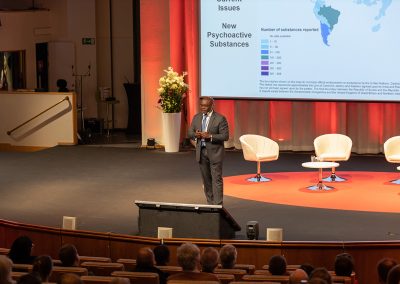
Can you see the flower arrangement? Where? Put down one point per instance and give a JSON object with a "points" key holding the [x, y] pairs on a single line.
{"points": [[172, 91]]}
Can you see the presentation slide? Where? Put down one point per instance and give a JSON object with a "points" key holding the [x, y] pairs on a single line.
{"points": [[337, 50]]}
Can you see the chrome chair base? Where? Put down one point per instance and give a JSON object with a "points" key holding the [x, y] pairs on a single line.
{"points": [[259, 178], [395, 181], [320, 186], [334, 178]]}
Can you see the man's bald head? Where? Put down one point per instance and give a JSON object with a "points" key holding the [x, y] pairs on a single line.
{"points": [[297, 276]]}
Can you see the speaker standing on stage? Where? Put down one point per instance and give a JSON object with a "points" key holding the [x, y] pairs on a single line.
{"points": [[210, 129]]}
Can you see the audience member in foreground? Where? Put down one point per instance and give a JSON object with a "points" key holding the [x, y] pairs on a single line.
{"points": [[322, 273], [308, 268], [277, 265], [383, 267], [21, 251], [29, 278], [393, 276], [68, 255], [161, 253], [69, 278], [317, 280], [5, 270], [227, 256], [298, 276], [43, 266], [145, 263], [344, 264], [209, 260], [188, 256]]}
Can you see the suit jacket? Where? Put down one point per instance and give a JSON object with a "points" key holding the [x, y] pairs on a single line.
{"points": [[218, 128]]}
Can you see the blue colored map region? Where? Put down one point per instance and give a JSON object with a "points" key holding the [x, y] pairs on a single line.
{"points": [[325, 32], [328, 18], [384, 5]]}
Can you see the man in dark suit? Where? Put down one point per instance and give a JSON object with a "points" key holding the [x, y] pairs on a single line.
{"points": [[209, 130]]}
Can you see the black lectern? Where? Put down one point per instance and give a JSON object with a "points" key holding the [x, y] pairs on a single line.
{"points": [[187, 220]]}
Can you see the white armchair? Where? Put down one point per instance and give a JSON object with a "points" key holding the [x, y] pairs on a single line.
{"points": [[259, 149], [391, 149], [333, 148]]}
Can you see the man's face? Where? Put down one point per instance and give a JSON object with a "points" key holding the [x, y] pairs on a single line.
{"points": [[205, 105]]}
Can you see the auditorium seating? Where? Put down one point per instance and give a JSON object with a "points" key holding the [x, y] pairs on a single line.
{"points": [[22, 267], [192, 282], [4, 251], [138, 277], [129, 263], [170, 269], [289, 267], [85, 258], [60, 270], [259, 149], [102, 268], [341, 279], [97, 279], [250, 268], [238, 273], [252, 282], [267, 278], [15, 275], [225, 278]]}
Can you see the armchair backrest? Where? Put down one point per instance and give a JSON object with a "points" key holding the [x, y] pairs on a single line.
{"points": [[253, 144], [333, 143], [391, 147]]}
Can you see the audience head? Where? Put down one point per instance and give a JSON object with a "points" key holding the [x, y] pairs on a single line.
{"points": [[21, 250], [298, 276], [322, 273], [69, 278], [308, 268], [62, 85], [344, 264], [209, 259], [145, 258], [188, 255], [161, 254], [30, 278], [5, 270], [68, 255], [277, 265], [42, 266], [393, 276], [383, 267], [227, 256]]}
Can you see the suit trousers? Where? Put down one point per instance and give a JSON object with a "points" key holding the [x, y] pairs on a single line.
{"points": [[212, 178]]}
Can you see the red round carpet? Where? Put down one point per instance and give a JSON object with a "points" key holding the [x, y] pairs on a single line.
{"points": [[363, 191]]}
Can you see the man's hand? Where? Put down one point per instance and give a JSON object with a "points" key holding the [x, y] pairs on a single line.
{"points": [[198, 134], [205, 135]]}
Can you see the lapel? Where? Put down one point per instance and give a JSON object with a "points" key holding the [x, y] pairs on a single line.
{"points": [[211, 121]]}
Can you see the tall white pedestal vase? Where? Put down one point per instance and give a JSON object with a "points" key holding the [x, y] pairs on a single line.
{"points": [[171, 131]]}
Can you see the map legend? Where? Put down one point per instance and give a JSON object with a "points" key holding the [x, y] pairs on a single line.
{"points": [[264, 56]]}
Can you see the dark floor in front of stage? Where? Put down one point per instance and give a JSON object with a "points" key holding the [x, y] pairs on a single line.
{"points": [[98, 185]]}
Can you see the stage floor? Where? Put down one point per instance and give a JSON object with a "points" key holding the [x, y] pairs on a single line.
{"points": [[98, 185], [362, 191]]}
